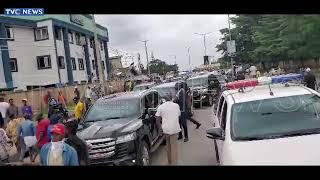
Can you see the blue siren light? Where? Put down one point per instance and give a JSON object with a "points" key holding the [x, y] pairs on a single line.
{"points": [[286, 78]]}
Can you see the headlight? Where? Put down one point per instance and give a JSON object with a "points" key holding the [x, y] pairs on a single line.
{"points": [[126, 138]]}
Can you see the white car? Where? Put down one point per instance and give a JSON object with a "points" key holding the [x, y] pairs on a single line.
{"points": [[276, 125]]}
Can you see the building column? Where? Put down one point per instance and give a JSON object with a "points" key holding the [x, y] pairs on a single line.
{"points": [[106, 54], [95, 60], [67, 55], [5, 57], [87, 58]]}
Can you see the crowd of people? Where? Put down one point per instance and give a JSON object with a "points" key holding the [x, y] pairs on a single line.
{"points": [[52, 138]]}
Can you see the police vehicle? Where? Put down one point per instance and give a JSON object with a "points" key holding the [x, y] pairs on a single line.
{"points": [[267, 121]]}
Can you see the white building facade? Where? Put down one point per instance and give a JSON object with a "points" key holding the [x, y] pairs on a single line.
{"points": [[50, 50]]}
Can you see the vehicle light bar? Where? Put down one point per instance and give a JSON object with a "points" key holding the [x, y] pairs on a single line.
{"points": [[242, 84], [265, 81], [286, 78]]}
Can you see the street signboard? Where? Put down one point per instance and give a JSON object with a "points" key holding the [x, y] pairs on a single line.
{"points": [[231, 47]]}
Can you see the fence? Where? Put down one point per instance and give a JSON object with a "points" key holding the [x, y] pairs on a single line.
{"points": [[36, 97]]}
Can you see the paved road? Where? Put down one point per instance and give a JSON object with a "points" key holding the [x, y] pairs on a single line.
{"points": [[199, 150]]}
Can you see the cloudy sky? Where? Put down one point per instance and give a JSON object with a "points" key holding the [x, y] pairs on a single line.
{"points": [[168, 35]]}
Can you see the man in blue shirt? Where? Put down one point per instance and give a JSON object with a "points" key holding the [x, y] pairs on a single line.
{"points": [[26, 129], [57, 152]]}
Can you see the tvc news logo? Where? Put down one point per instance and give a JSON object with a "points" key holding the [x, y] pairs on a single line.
{"points": [[24, 11]]}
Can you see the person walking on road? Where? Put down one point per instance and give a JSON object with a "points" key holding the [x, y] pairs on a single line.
{"points": [[41, 132], [169, 113], [12, 131], [3, 110], [4, 146], [62, 100], [79, 109], [26, 130], [57, 152], [76, 92], [78, 144], [189, 110], [26, 110], [310, 79], [181, 101], [12, 110], [253, 71]]}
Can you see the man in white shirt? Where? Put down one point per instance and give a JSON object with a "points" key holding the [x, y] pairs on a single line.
{"points": [[88, 93], [169, 113], [3, 109], [253, 71]]}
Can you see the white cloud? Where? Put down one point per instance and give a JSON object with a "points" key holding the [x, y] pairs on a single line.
{"points": [[167, 35]]}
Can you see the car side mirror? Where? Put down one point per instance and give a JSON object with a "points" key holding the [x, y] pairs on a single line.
{"points": [[215, 133], [152, 111]]}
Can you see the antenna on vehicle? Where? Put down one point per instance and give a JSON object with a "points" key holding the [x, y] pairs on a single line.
{"points": [[271, 93]]}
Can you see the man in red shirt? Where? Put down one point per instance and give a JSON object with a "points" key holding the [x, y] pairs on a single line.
{"points": [[41, 132]]}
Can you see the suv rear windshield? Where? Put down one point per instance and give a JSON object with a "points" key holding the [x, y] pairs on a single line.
{"points": [[276, 118], [114, 109], [202, 81]]}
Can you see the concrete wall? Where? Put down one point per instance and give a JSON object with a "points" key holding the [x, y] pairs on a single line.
{"points": [[35, 97]]}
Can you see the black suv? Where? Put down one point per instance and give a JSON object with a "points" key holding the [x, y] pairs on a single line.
{"points": [[120, 129], [205, 88]]}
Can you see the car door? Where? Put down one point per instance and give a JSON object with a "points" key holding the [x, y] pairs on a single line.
{"points": [[152, 100], [219, 122]]}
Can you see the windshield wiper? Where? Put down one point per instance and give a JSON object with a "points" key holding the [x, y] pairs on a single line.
{"points": [[288, 134], [96, 120]]}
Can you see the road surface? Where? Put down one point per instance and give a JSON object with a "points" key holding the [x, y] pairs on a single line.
{"points": [[199, 150]]}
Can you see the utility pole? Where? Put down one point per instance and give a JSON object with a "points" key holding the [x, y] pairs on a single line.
{"points": [[231, 60], [189, 59], [98, 55], [146, 49], [204, 41]]}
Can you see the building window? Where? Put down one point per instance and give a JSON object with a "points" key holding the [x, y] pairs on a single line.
{"points": [[91, 42], [77, 39], [73, 63], [9, 33], [44, 62], [93, 64], [81, 65], [61, 64], [101, 45], [58, 33], [70, 37], [41, 33], [13, 65], [103, 65]]}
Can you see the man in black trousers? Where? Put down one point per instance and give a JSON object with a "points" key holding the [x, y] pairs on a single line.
{"points": [[181, 100]]}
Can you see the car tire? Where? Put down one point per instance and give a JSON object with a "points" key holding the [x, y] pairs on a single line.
{"points": [[143, 154]]}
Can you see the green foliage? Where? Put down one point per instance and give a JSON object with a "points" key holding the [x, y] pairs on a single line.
{"points": [[161, 67], [273, 37]]}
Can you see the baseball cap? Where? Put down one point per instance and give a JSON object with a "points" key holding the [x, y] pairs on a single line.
{"points": [[24, 99], [308, 69], [58, 129]]}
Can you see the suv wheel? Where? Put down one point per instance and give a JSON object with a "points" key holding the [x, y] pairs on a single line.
{"points": [[144, 154]]}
